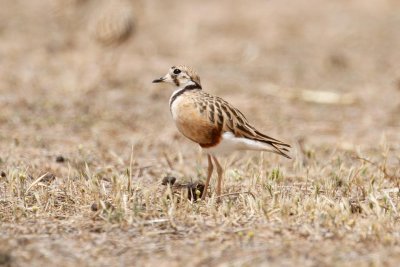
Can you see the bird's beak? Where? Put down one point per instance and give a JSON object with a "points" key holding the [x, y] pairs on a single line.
{"points": [[160, 80], [166, 79]]}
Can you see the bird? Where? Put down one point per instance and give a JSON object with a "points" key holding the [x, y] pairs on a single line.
{"points": [[112, 22], [111, 25], [213, 123]]}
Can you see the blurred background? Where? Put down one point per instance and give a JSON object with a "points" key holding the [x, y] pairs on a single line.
{"points": [[76, 74]]}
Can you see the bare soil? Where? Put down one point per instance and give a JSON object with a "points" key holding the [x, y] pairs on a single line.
{"points": [[86, 139]]}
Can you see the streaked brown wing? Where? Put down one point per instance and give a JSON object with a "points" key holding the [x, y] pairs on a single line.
{"points": [[229, 119]]}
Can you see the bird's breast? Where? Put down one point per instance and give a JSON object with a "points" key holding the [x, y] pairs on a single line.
{"points": [[192, 123]]}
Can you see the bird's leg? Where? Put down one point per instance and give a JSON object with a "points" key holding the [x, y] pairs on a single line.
{"points": [[220, 172], [209, 173]]}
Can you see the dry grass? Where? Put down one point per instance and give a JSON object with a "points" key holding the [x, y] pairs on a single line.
{"points": [[84, 146]]}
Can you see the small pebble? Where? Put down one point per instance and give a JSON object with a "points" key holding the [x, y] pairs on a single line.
{"points": [[168, 180], [3, 175], [94, 207], [60, 159]]}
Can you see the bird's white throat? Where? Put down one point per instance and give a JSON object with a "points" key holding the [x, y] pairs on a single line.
{"points": [[181, 89]]}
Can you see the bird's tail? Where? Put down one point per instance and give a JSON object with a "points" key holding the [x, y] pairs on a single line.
{"points": [[274, 145]]}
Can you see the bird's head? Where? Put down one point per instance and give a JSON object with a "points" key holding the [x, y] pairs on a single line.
{"points": [[181, 77]]}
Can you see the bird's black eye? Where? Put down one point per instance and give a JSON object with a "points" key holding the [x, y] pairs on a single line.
{"points": [[177, 71]]}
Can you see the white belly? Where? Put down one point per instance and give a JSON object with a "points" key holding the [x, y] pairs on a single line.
{"points": [[229, 143]]}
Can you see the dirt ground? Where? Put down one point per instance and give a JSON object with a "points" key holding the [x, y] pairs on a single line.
{"points": [[86, 138]]}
